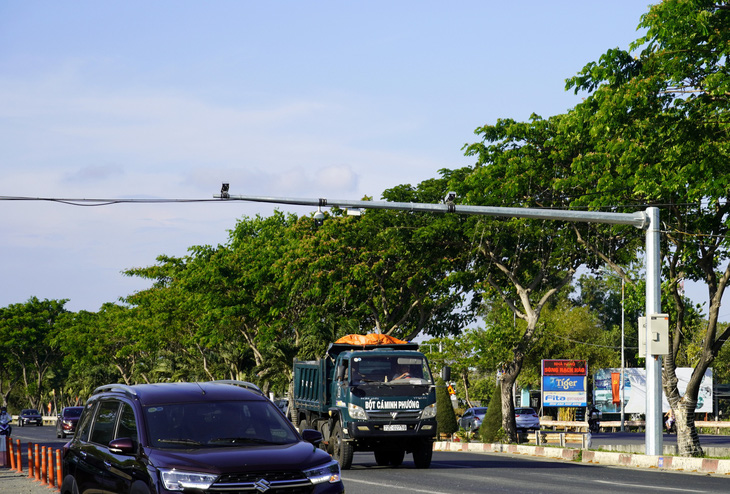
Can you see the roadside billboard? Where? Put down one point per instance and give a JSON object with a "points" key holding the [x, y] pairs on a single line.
{"points": [[606, 390], [564, 383]]}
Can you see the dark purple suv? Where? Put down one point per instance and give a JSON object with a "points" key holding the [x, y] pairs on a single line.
{"points": [[219, 436], [67, 420]]}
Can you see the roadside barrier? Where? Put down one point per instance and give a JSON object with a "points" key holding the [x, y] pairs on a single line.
{"points": [[19, 454], [44, 463], [31, 472], [11, 452], [44, 468], [36, 461]]}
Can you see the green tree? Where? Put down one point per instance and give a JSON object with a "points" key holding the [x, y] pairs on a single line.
{"points": [[489, 430], [658, 127], [396, 272], [445, 416], [26, 333]]}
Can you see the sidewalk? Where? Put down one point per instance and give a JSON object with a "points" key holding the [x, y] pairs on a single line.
{"points": [[674, 463], [12, 482]]}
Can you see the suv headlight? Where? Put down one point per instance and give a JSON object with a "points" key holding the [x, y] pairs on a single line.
{"points": [[329, 472], [357, 412], [429, 412], [177, 480]]}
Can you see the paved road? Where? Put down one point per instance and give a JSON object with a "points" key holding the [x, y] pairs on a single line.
{"points": [[467, 473]]}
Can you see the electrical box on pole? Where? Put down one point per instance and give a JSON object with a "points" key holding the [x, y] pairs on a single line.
{"points": [[658, 327]]}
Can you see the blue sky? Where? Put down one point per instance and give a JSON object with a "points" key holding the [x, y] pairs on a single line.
{"points": [[168, 99]]}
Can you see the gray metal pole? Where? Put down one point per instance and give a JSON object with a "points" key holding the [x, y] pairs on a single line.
{"points": [[648, 220], [653, 438], [623, 361], [638, 219]]}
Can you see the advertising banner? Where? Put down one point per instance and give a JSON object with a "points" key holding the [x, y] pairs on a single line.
{"points": [[564, 398], [569, 383], [564, 368], [606, 391], [564, 383]]}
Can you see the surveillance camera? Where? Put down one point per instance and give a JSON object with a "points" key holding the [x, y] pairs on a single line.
{"points": [[319, 217], [450, 197]]}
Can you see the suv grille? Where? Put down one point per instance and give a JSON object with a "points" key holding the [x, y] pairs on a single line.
{"points": [[289, 482]]}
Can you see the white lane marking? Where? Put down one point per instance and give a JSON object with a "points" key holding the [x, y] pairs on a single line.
{"points": [[391, 486], [643, 486]]}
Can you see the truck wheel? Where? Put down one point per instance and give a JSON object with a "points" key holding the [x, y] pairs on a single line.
{"points": [[422, 454], [295, 417], [341, 449], [303, 424], [396, 457], [382, 457]]}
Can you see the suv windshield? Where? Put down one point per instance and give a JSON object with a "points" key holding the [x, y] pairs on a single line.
{"points": [[217, 424], [390, 369]]}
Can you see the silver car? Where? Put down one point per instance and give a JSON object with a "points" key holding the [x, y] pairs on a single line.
{"points": [[526, 418], [472, 418]]}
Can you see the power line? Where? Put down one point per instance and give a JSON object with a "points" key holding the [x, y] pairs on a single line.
{"points": [[102, 202]]}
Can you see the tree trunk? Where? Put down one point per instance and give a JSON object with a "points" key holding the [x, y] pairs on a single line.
{"points": [[507, 382], [688, 441]]}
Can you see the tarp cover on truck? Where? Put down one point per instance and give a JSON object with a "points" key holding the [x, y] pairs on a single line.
{"points": [[370, 339]]}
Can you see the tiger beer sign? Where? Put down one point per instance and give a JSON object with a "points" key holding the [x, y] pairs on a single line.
{"points": [[564, 383]]}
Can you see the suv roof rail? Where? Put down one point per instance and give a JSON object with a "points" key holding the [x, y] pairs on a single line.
{"points": [[243, 384], [116, 387]]}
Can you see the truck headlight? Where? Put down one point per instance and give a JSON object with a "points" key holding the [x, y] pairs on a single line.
{"points": [[429, 412], [178, 480], [329, 472], [357, 412]]}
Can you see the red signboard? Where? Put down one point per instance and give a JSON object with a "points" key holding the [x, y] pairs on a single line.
{"points": [[564, 368]]}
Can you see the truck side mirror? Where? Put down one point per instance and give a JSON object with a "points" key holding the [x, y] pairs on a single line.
{"points": [[446, 373]]}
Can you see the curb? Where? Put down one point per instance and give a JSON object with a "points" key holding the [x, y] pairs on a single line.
{"points": [[674, 463]]}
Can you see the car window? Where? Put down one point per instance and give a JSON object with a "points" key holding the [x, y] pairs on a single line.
{"points": [[106, 417], [127, 424], [72, 412], [217, 424], [84, 426]]}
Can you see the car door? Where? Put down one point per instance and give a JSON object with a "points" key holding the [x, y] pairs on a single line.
{"points": [[96, 450], [85, 463], [123, 466]]}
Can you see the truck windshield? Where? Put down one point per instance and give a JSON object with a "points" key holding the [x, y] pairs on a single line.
{"points": [[389, 369]]}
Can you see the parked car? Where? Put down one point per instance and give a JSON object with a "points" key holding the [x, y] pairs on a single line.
{"points": [[219, 436], [30, 416], [472, 418], [67, 420], [526, 418]]}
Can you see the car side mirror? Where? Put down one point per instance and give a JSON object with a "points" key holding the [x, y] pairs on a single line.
{"points": [[312, 436], [122, 445]]}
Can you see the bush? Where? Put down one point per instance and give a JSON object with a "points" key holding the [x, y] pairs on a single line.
{"points": [[445, 416], [489, 431]]}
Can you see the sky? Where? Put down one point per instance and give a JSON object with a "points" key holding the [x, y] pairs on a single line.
{"points": [[168, 99]]}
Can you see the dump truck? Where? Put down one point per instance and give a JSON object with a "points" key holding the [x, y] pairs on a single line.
{"points": [[368, 393]]}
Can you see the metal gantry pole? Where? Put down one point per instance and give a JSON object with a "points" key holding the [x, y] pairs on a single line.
{"points": [[653, 437], [623, 364], [647, 220]]}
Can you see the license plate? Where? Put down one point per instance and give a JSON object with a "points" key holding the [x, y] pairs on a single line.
{"points": [[395, 427]]}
